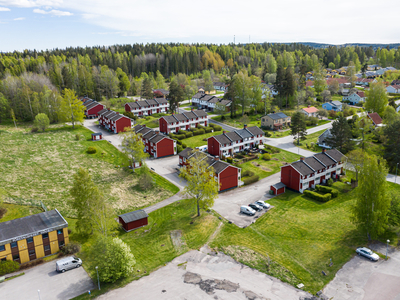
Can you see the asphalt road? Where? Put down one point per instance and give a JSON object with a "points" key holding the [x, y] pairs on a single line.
{"points": [[52, 285], [361, 279]]}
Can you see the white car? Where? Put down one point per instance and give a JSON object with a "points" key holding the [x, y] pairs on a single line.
{"points": [[367, 253], [263, 204]]}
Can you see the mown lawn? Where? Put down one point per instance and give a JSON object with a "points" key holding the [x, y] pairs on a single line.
{"points": [[149, 121], [264, 168], [310, 138], [40, 166], [152, 245], [18, 211], [198, 140]]}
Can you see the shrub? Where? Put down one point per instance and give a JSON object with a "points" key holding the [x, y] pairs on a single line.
{"points": [[200, 126], [31, 264], [208, 129], [147, 118], [327, 189], [251, 179], [71, 248], [91, 150], [179, 142], [318, 197], [199, 132], [8, 266], [266, 156], [329, 182], [247, 173], [222, 118], [184, 146], [34, 129], [77, 137], [272, 149], [129, 115], [188, 134], [332, 114], [229, 160], [179, 148], [267, 133], [217, 128], [239, 156], [180, 136]]}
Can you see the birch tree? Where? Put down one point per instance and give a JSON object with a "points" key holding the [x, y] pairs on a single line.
{"points": [[132, 145], [71, 108]]}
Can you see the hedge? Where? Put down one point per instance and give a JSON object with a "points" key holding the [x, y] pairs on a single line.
{"points": [[188, 134], [251, 179], [180, 136], [215, 126], [272, 149], [327, 189], [8, 266], [318, 197], [179, 142], [179, 148], [199, 132], [247, 173], [208, 129], [229, 160]]}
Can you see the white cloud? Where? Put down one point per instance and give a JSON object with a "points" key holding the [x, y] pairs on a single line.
{"points": [[19, 19], [53, 12], [31, 3], [4, 9]]}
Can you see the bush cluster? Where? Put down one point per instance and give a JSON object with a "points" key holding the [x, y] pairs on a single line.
{"points": [[71, 248], [247, 173], [8, 266], [91, 150], [130, 115], [179, 148], [271, 149], [251, 179], [215, 127], [208, 129], [266, 156], [318, 197], [199, 132], [229, 160], [327, 189]]}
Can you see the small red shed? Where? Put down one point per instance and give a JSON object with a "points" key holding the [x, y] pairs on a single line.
{"points": [[278, 188], [97, 136], [133, 220]]}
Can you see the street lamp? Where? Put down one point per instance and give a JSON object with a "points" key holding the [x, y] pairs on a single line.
{"points": [[387, 247], [98, 280], [395, 179], [38, 291]]}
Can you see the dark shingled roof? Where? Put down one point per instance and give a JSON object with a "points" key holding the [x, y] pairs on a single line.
{"points": [[180, 117], [133, 105], [158, 137], [148, 135], [190, 115], [302, 168], [277, 116], [170, 119], [219, 166], [244, 133], [134, 216], [198, 95], [143, 103], [313, 163], [233, 136], [255, 130], [96, 133], [186, 153], [200, 113], [222, 139], [151, 102], [88, 102], [29, 226], [279, 185], [335, 154], [323, 158], [102, 111], [161, 100]]}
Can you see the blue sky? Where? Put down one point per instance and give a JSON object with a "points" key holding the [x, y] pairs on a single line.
{"points": [[48, 24]]}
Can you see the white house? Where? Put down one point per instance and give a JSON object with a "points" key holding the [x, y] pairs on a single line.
{"points": [[310, 111], [269, 87], [393, 89]]}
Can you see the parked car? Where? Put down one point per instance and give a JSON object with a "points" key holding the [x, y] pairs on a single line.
{"points": [[367, 253], [68, 263], [255, 207], [262, 204], [247, 210]]}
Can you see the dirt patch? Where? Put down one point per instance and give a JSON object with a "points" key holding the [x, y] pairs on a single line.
{"points": [[177, 240], [209, 285], [266, 169]]}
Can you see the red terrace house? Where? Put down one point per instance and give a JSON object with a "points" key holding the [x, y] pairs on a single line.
{"points": [[307, 172], [92, 108], [155, 143], [184, 121], [114, 121], [147, 107], [133, 220], [228, 143], [228, 176]]}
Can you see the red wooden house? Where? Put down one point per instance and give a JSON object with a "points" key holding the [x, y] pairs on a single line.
{"points": [[307, 172], [228, 176], [133, 220], [228, 143], [147, 107], [155, 143], [92, 108], [184, 121], [97, 136], [114, 121]]}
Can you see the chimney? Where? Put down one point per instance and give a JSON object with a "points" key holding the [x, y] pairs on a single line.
{"points": [[157, 131], [216, 157], [224, 132], [245, 126], [308, 106], [144, 125], [302, 158], [323, 150], [192, 109], [117, 113]]}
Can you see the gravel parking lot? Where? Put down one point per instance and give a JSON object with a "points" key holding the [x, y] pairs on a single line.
{"points": [[52, 285], [361, 279]]}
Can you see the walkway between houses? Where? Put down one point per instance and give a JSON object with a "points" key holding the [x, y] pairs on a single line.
{"points": [[164, 203]]}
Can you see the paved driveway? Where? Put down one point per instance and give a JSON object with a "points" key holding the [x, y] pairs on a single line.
{"points": [[197, 275], [228, 203], [361, 279], [52, 285], [115, 139]]}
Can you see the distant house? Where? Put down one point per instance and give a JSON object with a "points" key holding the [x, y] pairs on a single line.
{"points": [[147, 107], [383, 70], [376, 119], [310, 83], [313, 170], [97, 136], [364, 81], [323, 137], [220, 86], [269, 87], [395, 82], [227, 176], [310, 111], [183, 121], [235, 141], [208, 102], [393, 89], [114, 121], [275, 121], [165, 93], [333, 105], [355, 98]]}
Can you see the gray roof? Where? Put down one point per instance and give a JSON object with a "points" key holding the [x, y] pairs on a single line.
{"points": [[279, 185], [143, 103], [133, 105], [336, 102], [151, 102], [222, 139], [190, 115], [133, 216], [158, 137], [97, 133], [255, 130], [324, 159], [22, 228], [244, 133], [335, 154], [170, 119], [161, 100], [186, 153], [102, 111], [277, 116], [233, 136], [200, 113], [314, 163], [302, 168], [219, 166]]}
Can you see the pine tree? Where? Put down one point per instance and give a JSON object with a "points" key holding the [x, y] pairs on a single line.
{"points": [[341, 135], [298, 126]]}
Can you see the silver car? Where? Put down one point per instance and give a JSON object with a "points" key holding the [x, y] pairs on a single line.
{"points": [[367, 253], [262, 204], [68, 263]]}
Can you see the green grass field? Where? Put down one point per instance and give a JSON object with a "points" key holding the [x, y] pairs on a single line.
{"points": [[152, 122], [40, 166], [302, 235], [310, 138], [198, 140], [264, 168], [152, 245], [15, 211]]}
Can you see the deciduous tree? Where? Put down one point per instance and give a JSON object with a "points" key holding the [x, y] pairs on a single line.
{"points": [[370, 212], [392, 144], [176, 95], [41, 121], [377, 99], [132, 145], [202, 185], [71, 108]]}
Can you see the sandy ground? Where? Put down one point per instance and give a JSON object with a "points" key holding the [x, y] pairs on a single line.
{"points": [[199, 275]]}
